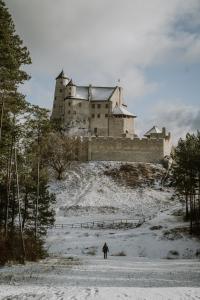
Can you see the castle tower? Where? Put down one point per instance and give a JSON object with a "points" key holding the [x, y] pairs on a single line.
{"points": [[70, 90], [58, 105]]}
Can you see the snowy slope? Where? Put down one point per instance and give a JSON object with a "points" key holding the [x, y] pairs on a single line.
{"points": [[87, 186], [76, 270], [89, 194]]}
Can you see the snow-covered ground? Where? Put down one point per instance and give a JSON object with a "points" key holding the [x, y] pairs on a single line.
{"points": [[95, 278], [96, 293], [158, 260], [89, 195]]}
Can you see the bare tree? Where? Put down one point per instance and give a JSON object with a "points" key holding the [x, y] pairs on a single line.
{"points": [[61, 151]]}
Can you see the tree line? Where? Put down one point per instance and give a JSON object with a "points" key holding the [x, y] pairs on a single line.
{"points": [[31, 148], [186, 177]]}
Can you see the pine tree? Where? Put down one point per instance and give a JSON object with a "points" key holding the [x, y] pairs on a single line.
{"points": [[186, 176], [13, 55], [24, 192]]}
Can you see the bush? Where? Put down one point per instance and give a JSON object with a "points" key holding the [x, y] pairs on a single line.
{"points": [[121, 253], [156, 227], [172, 254], [3, 252], [11, 248]]}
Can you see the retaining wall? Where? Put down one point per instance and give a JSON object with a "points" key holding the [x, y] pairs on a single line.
{"points": [[125, 149]]}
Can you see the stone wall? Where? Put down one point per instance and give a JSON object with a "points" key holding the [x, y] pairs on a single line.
{"points": [[76, 113], [124, 149], [58, 104], [99, 111], [119, 126]]}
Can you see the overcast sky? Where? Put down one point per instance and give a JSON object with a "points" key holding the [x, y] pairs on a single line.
{"points": [[152, 46]]}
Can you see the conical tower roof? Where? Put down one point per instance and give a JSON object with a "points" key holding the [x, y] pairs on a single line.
{"points": [[154, 129], [62, 75]]}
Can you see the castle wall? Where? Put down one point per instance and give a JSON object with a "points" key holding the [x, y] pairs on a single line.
{"points": [[125, 149], [121, 126], [116, 98], [99, 111], [58, 104], [76, 113], [167, 145], [129, 125], [116, 126]]}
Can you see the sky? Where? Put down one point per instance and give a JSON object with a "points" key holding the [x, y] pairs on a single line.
{"points": [[152, 46]]}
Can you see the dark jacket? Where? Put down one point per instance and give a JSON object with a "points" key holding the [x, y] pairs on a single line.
{"points": [[105, 248]]}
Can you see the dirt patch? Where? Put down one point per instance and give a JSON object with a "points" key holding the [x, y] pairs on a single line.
{"points": [[77, 210], [156, 227], [175, 233], [90, 250], [121, 253], [136, 175]]}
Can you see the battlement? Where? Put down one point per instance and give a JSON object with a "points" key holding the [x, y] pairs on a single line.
{"points": [[126, 149]]}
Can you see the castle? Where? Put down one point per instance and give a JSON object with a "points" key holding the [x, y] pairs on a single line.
{"points": [[100, 116]]}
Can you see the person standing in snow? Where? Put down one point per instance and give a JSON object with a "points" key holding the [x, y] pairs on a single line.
{"points": [[105, 250]]}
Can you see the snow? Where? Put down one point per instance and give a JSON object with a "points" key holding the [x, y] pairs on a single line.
{"points": [[119, 110], [97, 93], [101, 93], [91, 293], [82, 92], [154, 129], [159, 261], [60, 278], [89, 195]]}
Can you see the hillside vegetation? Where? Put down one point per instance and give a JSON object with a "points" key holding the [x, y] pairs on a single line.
{"points": [[137, 175]]}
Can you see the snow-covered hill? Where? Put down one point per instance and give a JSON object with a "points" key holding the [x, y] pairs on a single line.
{"points": [[135, 268], [88, 194]]}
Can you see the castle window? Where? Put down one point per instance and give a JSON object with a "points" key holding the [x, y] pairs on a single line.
{"points": [[69, 112], [98, 116], [106, 105], [99, 105], [55, 98], [69, 104], [93, 115], [79, 104], [95, 130], [60, 90], [106, 115], [93, 105]]}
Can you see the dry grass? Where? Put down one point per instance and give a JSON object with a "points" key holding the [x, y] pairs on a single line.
{"points": [[121, 253], [134, 175]]}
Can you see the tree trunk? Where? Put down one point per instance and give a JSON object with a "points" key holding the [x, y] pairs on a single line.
{"points": [[25, 210], [9, 174], [13, 210], [186, 207], [2, 114], [191, 214], [37, 197], [19, 210]]}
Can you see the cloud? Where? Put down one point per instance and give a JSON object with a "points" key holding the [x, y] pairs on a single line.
{"points": [[136, 85], [100, 36], [99, 41], [176, 116]]}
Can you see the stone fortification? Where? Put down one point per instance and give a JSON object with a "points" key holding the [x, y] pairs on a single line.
{"points": [[100, 116], [151, 150]]}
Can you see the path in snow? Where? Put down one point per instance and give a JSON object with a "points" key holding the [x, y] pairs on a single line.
{"points": [[93, 293], [114, 272], [95, 278]]}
